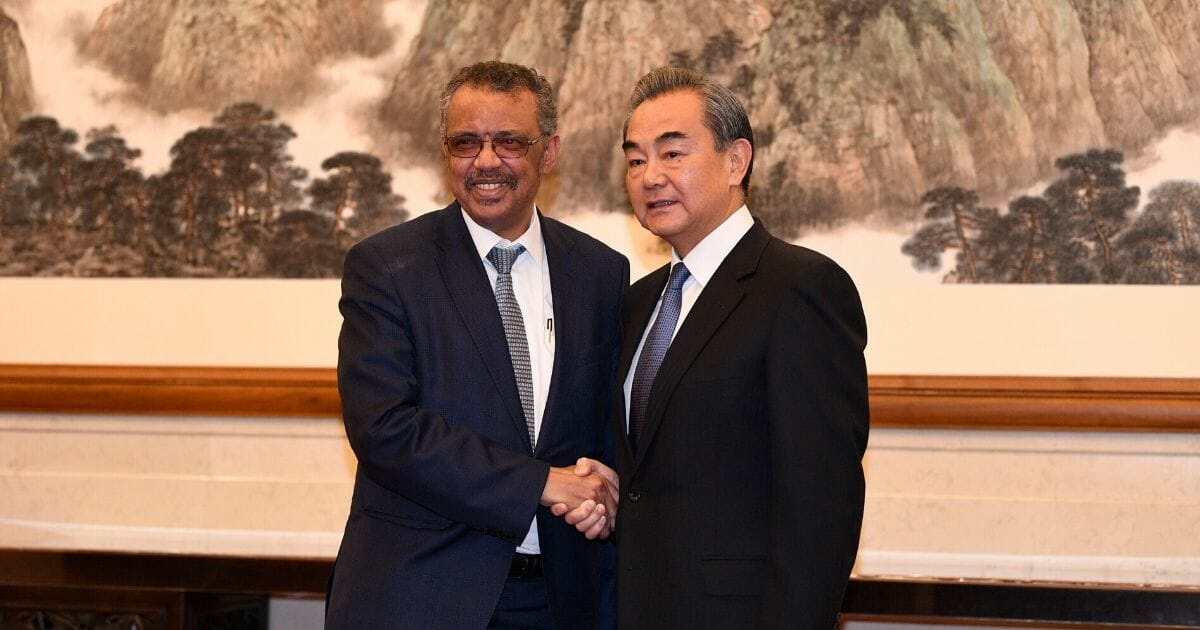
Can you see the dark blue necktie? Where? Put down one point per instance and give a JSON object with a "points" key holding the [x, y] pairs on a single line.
{"points": [[653, 351]]}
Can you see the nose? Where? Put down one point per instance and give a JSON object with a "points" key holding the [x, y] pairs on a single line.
{"points": [[487, 158], [652, 174]]}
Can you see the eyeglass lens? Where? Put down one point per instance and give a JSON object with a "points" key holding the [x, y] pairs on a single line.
{"points": [[505, 146]]}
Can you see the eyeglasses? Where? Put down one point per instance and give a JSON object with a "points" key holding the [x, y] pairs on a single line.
{"points": [[504, 146]]}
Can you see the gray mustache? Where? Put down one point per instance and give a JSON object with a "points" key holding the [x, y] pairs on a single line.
{"points": [[503, 178]]}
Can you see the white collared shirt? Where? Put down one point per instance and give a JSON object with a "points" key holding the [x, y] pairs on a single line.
{"points": [[531, 285], [702, 263]]}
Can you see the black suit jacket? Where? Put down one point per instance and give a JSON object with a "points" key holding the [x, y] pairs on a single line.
{"points": [[743, 505], [447, 484]]}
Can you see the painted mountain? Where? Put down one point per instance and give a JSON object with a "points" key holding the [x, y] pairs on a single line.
{"points": [[199, 53], [991, 135], [861, 106], [231, 202], [16, 88], [878, 111]]}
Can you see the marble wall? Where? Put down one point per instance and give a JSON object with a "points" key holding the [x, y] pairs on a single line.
{"points": [[1107, 507], [258, 486]]}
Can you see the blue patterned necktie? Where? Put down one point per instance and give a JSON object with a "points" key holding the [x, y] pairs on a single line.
{"points": [[502, 259], [653, 351]]}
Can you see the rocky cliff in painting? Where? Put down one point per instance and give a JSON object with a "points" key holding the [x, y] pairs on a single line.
{"points": [[16, 88], [203, 54], [859, 107]]}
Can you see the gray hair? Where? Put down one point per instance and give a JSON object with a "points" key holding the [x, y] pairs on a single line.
{"points": [[508, 78], [723, 112]]}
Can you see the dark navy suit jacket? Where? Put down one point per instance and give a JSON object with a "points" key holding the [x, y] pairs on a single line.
{"points": [[447, 484]]}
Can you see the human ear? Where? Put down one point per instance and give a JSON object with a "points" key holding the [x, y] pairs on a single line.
{"points": [[739, 154]]}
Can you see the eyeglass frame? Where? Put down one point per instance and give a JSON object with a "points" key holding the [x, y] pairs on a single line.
{"points": [[525, 143]]}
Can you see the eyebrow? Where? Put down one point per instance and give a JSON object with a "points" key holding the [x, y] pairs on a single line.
{"points": [[503, 133], [662, 137]]}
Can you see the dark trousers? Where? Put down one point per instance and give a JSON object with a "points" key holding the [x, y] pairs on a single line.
{"points": [[523, 605]]}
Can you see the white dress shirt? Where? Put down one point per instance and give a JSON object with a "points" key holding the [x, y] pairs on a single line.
{"points": [[531, 285], [702, 263]]}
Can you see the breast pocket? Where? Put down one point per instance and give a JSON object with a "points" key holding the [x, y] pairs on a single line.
{"points": [[726, 369]]}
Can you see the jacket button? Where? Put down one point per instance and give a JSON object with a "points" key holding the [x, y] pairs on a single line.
{"points": [[634, 496]]}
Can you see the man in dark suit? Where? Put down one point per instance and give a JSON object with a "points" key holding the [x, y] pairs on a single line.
{"points": [[476, 366], [744, 389]]}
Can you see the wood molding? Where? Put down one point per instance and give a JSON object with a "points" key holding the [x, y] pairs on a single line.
{"points": [[47, 568], [929, 402], [1036, 403], [232, 391]]}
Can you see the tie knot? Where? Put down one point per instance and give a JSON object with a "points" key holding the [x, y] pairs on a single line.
{"points": [[502, 258], [679, 275]]}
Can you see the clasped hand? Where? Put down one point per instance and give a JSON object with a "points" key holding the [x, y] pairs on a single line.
{"points": [[585, 495]]}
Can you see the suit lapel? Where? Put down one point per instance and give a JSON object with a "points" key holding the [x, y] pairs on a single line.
{"points": [[718, 299], [565, 295], [637, 311], [467, 282], [636, 317]]}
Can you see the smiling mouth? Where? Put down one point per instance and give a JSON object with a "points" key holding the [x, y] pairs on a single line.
{"points": [[652, 205], [492, 184]]}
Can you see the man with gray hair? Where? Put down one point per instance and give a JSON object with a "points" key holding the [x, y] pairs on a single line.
{"points": [[741, 389], [475, 367]]}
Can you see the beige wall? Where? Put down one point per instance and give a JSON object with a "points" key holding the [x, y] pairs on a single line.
{"points": [[981, 330], [1052, 330]]}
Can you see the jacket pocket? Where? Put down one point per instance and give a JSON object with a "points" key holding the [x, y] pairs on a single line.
{"points": [[428, 520], [733, 576]]}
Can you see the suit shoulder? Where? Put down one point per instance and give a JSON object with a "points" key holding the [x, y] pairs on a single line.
{"points": [[408, 245], [780, 252], [799, 258], [652, 282], [589, 244], [415, 232], [800, 261]]}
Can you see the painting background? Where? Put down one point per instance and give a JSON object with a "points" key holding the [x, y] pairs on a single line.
{"points": [[856, 198], [917, 325]]}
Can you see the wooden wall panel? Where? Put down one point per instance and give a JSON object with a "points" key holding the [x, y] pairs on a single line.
{"points": [[1036, 403], [941, 402], [285, 392]]}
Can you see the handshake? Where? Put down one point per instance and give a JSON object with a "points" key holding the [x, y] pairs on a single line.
{"points": [[585, 495]]}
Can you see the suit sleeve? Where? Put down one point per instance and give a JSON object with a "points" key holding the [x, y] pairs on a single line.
{"points": [[405, 448], [819, 416]]}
